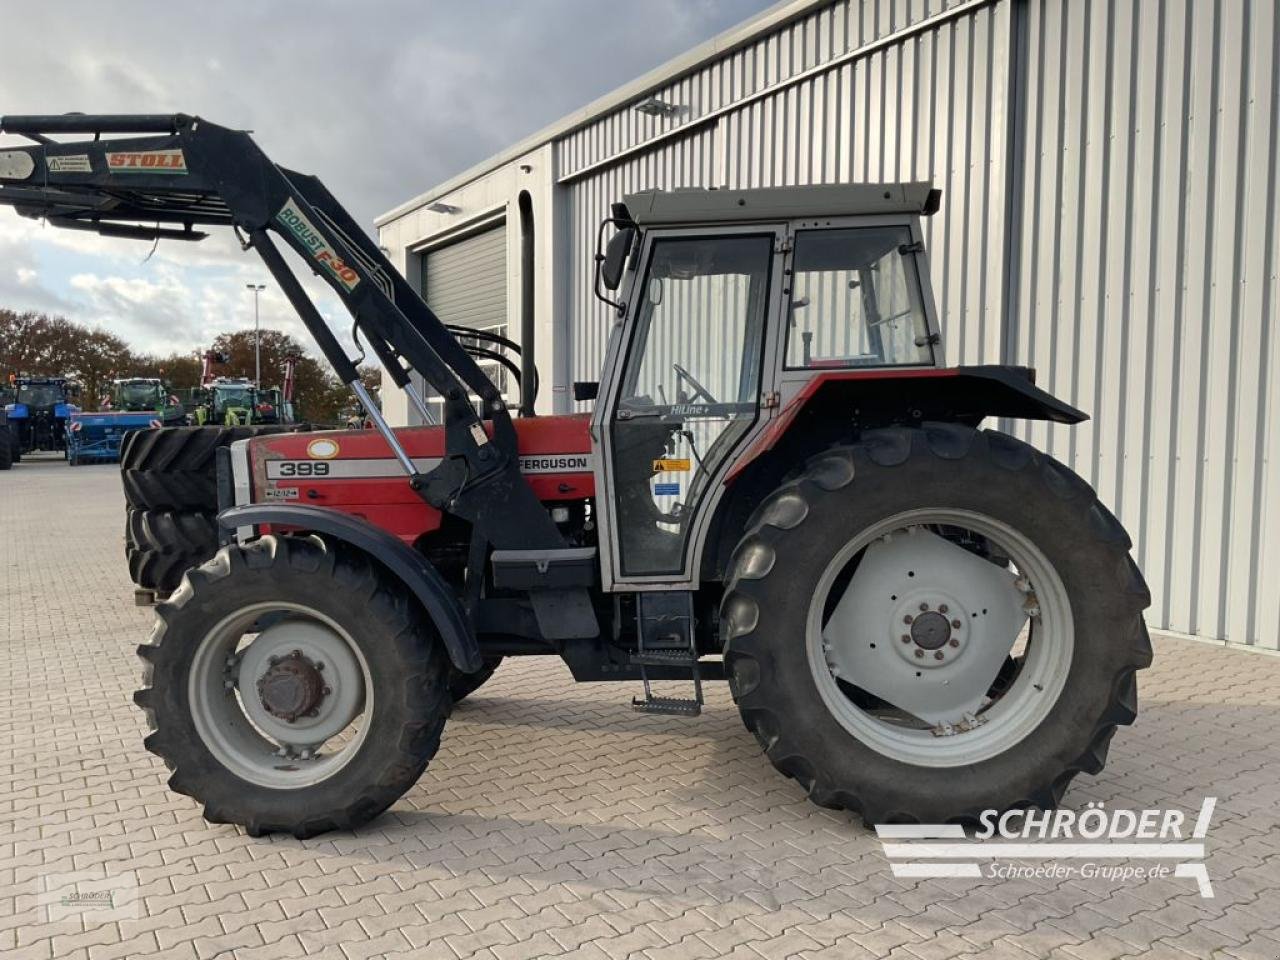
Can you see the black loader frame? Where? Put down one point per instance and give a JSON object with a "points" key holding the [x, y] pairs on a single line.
{"points": [[180, 173]]}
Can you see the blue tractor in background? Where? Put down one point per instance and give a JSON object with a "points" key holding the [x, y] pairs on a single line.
{"points": [[38, 416]]}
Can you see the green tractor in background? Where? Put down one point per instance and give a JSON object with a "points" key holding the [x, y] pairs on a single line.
{"points": [[225, 402], [145, 394], [238, 401]]}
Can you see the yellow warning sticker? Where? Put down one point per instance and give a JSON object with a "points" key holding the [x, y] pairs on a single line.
{"points": [[668, 465]]}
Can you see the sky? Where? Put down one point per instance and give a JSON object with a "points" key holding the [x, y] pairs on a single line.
{"points": [[381, 99]]}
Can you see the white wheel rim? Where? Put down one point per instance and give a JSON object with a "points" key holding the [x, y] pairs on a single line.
{"points": [[1001, 723], [235, 727]]}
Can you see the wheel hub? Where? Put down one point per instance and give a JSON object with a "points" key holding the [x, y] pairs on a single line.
{"points": [[299, 683], [930, 625], [930, 630], [949, 616], [292, 687]]}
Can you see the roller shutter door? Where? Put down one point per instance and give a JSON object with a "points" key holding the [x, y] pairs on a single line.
{"points": [[466, 282]]}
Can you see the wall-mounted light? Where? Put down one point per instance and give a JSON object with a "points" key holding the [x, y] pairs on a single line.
{"points": [[655, 107], [439, 207]]}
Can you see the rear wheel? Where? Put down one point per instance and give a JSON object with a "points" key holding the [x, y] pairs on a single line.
{"points": [[290, 686], [967, 637], [6, 449]]}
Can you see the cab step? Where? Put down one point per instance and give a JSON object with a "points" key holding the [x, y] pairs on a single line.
{"points": [[664, 658], [666, 639], [667, 705]]}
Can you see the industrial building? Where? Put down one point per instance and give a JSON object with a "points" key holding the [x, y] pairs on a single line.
{"points": [[1110, 217]]}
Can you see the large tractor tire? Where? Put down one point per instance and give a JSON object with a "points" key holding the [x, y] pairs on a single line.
{"points": [[934, 622], [462, 685], [183, 490], [162, 545], [173, 468], [291, 686], [6, 449]]}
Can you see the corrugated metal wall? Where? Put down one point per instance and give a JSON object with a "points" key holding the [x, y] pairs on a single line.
{"points": [[1110, 216], [1148, 286], [860, 120], [685, 161]]}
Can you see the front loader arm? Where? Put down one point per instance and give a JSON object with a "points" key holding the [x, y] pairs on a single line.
{"points": [[175, 173]]}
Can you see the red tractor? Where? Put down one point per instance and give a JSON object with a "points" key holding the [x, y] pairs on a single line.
{"points": [[780, 485]]}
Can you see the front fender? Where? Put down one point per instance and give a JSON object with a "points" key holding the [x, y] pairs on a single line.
{"points": [[412, 569]]}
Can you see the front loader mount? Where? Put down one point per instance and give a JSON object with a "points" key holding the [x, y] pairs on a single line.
{"points": [[165, 176]]}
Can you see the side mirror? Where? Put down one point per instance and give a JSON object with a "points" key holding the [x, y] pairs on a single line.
{"points": [[615, 258]]}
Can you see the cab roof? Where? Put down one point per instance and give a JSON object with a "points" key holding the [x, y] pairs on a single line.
{"points": [[699, 205]]}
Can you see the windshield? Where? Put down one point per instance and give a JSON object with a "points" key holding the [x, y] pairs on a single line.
{"points": [[139, 396], [235, 396], [856, 300], [39, 394]]}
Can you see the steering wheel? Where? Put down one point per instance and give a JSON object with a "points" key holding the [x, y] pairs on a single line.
{"points": [[698, 389]]}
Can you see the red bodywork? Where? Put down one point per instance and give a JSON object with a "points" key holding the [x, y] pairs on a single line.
{"points": [[355, 472], [783, 419]]}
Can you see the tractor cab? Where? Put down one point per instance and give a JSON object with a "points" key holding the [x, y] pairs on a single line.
{"points": [[145, 394], [730, 304], [226, 401]]}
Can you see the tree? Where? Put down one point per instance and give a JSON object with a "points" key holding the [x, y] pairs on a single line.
{"points": [[35, 344], [38, 345], [180, 371]]}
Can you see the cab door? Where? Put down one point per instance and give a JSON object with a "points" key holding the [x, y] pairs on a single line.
{"points": [[683, 393]]}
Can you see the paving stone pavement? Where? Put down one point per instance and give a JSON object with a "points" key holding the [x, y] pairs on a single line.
{"points": [[555, 822]]}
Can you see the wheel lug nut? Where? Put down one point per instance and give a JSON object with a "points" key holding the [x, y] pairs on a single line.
{"points": [[908, 618], [919, 653], [924, 607], [942, 608], [953, 642], [272, 661], [956, 624], [906, 638], [325, 691], [319, 665], [296, 653], [938, 655]]}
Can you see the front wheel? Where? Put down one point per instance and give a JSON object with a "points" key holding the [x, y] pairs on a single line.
{"points": [[291, 686], [967, 636]]}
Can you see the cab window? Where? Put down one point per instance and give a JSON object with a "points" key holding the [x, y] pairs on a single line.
{"points": [[856, 300], [690, 387]]}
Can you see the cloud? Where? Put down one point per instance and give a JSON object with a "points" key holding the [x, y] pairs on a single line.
{"points": [[381, 101]]}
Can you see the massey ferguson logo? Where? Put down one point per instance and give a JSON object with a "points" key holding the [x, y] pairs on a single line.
{"points": [[302, 229], [566, 463], [148, 161]]}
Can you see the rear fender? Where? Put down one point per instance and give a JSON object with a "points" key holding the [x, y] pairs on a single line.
{"points": [[409, 566], [835, 406], [874, 398]]}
